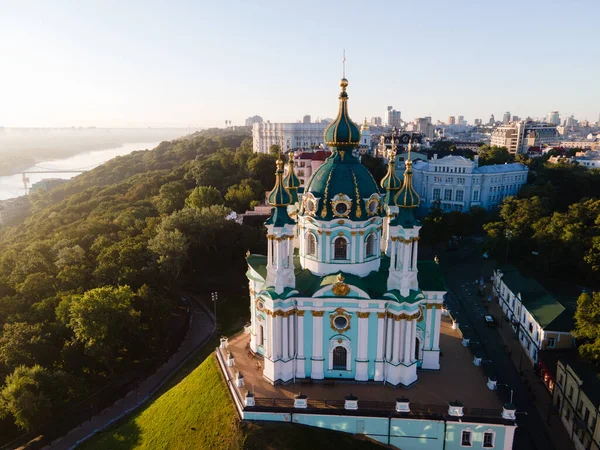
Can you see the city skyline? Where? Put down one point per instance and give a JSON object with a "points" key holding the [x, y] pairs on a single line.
{"points": [[146, 64]]}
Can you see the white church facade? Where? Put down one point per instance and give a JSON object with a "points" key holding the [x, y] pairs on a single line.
{"points": [[341, 293]]}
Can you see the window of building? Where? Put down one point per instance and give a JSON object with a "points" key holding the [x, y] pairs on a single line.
{"points": [[560, 379], [551, 342], [459, 196], [436, 194], [586, 415], [580, 406], [311, 244], [571, 392], [531, 327], [339, 358], [448, 195], [568, 414], [488, 439], [466, 438], [260, 338], [340, 248], [475, 196], [371, 245]]}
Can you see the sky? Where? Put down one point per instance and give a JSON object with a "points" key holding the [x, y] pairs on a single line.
{"points": [[153, 63]]}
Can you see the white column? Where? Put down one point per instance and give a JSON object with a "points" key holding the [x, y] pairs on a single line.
{"points": [[300, 334], [402, 326], [413, 340], [406, 254], [407, 346], [400, 257], [363, 337], [268, 336], [285, 334], [276, 337], [291, 334], [380, 330], [269, 251], [415, 254], [429, 330], [388, 346], [396, 359], [436, 329], [291, 251], [352, 248]]}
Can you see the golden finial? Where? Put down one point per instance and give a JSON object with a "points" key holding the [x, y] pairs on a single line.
{"points": [[340, 278], [279, 163]]}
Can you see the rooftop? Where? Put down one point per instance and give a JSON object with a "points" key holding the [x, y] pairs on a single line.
{"points": [[458, 379]]}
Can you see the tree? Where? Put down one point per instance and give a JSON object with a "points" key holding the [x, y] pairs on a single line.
{"points": [[171, 246], [36, 286], [261, 168], [241, 196], [30, 393], [104, 320], [494, 155], [204, 196], [171, 197], [275, 150], [587, 325], [25, 344]]}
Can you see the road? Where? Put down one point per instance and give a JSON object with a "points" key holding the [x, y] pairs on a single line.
{"points": [[462, 269], [202, 326]]}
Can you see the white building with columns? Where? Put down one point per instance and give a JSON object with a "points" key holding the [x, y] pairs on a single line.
{"points": [[341, 293]]}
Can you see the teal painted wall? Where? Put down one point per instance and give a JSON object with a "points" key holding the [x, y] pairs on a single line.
{"points": [[328, 335], [409, 434], [375, 427]]}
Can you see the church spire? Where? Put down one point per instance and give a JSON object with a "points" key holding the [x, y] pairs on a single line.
{"points": [[391, 182], [342, 134], [279, 198]]}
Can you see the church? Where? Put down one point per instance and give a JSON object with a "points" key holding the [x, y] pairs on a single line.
{"points": [[341, 293]]}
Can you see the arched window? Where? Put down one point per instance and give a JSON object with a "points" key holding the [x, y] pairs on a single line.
{"points": [[339, 358], [371, 245], [310, 244], [261, 336], [340, 248]]}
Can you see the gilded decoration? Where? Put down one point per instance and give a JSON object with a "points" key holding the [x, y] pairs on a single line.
{"points": [[340, 289], [324, 210], [319, 232], [358, 209], [373, 205], [363, 315], [340, 222], [341, 205], [340, 320], [381, 315], [362, 233], [300, 313], [309, 204], [420, 314], [340, 233], [318, 313], [328, 233], [353, 233], [430, 305]]}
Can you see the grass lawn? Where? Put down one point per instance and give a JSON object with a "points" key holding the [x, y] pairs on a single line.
{"points": [[195, 411]]}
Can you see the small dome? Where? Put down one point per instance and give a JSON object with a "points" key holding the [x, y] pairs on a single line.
{"points": [[291, 181], [279, 196], [407, 197], [342, 132]]}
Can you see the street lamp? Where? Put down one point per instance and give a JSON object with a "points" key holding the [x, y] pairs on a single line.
{"points": [[511, 390], [215, 297], [508, 235]]}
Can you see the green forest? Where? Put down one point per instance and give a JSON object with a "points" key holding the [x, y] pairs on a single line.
{"points": [[90, 283]]}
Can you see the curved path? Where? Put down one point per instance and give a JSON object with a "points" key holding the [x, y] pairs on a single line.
{"points": [[202, 327]]}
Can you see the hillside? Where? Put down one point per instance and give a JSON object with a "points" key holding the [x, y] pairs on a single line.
{"points": [[198, 413]]}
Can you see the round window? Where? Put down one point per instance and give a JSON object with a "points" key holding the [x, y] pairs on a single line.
{"points": [[310, 205], [260, 306], [341, 208], [340, 322], [373, 206]]}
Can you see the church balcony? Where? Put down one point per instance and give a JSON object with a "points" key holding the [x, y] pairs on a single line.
{"points": [[457, 378]]}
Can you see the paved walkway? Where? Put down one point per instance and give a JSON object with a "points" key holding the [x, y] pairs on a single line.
{"points": [[202, 326]]}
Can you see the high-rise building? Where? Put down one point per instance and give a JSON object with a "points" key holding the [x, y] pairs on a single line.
{"points": [[518, 137], [478, 122], [424, 126], [306, 119], [553, 118], [393, 118], [451, 120], [515, 118], [460, 120], [376, 121], [492, 120], [250, 121], [506, 118]]}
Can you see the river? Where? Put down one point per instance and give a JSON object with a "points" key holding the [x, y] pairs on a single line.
{"points": [[12, 185]]}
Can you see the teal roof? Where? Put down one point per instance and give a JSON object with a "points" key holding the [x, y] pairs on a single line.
{"points": [[405, 218], [342, 132], [279, 217], [279, 196], [548, 312], [391, 183], [430, 278], [407, 196]]}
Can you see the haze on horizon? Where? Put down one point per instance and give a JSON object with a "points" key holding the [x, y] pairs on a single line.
{"points": [[147, 63]]}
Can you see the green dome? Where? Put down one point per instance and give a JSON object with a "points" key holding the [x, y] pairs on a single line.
{"points": [[291, 181], [342, 180], [342, 131], [279, 196], [391, 182]]}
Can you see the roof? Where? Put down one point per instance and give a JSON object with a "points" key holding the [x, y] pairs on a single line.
{"points": [[320, 155], [549, 313], [342, 131], [499, 168], [430, 278]]}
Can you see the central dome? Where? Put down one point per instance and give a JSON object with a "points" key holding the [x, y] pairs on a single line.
{"points": [[342, 187]]}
